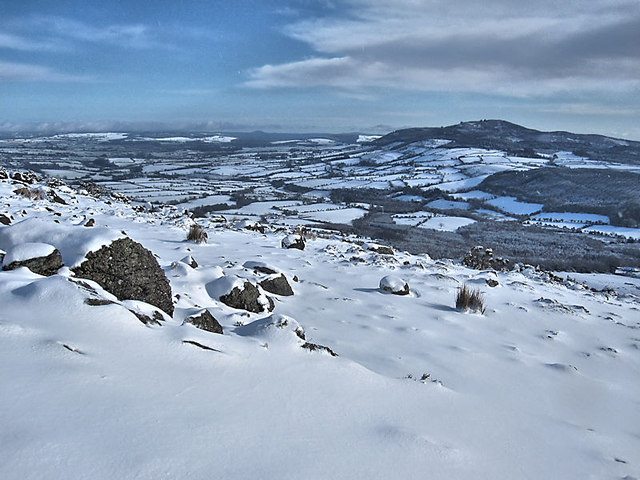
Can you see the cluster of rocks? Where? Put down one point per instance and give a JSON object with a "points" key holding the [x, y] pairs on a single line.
{"points": [[481, 258]]}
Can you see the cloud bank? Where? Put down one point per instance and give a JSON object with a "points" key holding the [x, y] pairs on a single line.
{"points": [[507, 47]]}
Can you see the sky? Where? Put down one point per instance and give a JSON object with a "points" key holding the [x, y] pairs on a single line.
{"points": [[325, 66]]}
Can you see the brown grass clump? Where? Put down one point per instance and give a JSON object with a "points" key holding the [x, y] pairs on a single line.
{"points": [[469, 300], [197, 234]]}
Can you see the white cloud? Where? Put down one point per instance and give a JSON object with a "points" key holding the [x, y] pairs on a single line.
{"points": [[24, 72]]}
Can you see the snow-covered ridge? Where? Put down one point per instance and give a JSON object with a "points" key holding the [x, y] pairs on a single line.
{"points": [[542, 385]]}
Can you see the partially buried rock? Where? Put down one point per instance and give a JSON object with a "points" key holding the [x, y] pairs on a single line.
{"points": [[40, 258], [189, 260], [249, 298], [293, 241], [129, 271], [5, 219], [277, 285], [395, 285], [205, 321], [90, 223], [380, 249]]}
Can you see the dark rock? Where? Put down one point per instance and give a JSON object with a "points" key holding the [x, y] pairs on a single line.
{"points": [[54, 197], [293, 241], [25, 177], [55, 183], [199, 345], [189, 260], [492, 282], [90, 223], [205, 321], [277, 285], [129, 271], [46, 266], [5, 219], [98, 302], [313, 347], [3, 174], [147, 320], [264, 269], [246, 298], [482, 258]]}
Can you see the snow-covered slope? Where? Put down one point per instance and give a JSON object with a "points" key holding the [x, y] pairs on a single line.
{"points": [[543, 385]]}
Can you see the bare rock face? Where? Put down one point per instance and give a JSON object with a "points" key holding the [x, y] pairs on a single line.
{"points": [[130, 272], [205, 321], [47, 265], [247, 298], [277, 285]]}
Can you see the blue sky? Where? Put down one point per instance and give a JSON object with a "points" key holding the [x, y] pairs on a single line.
{"points": [[334, 65]]}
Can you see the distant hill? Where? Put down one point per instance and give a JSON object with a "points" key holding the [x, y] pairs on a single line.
{"points": [[518, 140]]}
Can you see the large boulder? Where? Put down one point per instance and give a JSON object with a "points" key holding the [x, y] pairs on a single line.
{"points": [[40, 258], [205, 321], [278, 285], [129, 271]]}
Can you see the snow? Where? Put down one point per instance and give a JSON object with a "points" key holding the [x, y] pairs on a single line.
{"points": [[446, 224], [367, 138], [393, 284], [541, 386], [513, 206], [448, 205], [73, 242], [27, 251]]}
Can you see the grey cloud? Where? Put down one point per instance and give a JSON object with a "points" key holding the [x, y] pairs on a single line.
{"points": [[514, 47]]}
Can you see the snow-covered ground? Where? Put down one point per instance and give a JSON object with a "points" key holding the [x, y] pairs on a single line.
{"points": [[543, 385]]}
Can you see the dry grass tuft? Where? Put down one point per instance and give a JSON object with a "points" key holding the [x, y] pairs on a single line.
{"points": [[197, 234], [469, 300]]}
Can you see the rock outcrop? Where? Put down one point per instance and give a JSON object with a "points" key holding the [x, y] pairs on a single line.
{"points": [[129, 271], [482, 258]]}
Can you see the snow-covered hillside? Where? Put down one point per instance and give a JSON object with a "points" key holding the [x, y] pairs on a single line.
{"points": [[543, 385]]}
